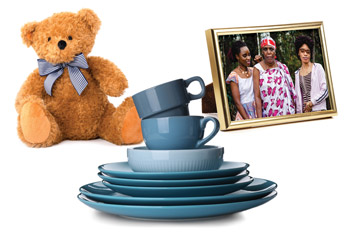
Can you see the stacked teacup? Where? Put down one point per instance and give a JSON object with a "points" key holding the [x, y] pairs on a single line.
{"points": [[174, 139]]}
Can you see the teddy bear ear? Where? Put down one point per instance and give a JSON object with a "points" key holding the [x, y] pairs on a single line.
{"points": [[91, 19], [27, 32]]}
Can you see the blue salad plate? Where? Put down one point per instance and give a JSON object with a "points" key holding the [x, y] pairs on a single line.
{"points": [[187, 191], [99, 192], [173, 183], [123, 170]]}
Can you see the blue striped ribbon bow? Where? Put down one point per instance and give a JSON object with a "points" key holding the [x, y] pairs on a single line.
{"points": [[53, 72]]}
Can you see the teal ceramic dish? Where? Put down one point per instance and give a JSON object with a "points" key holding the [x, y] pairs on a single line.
{"points": [[175, 212], [142, 159], [173, 183], [123, 170], [99, 192], [195, 191]]}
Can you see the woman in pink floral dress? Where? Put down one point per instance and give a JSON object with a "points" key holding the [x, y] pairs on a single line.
{"points": [[273, 86]]}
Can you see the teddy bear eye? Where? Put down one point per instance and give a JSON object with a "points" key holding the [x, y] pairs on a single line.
{"points": [[70, 37], [49, 39]]}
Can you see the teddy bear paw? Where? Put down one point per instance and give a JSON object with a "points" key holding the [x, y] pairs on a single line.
{"points": [[34, 123], [131, 130], [35, 127]]}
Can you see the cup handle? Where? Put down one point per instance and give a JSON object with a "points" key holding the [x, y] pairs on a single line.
{"points": [[203, 124], [201, 82]]}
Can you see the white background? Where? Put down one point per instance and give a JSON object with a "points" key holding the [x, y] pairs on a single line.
{"points": [[154, 42]]}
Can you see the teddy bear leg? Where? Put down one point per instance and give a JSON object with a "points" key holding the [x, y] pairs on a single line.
{"points": [[37, 127], [121, 125]]}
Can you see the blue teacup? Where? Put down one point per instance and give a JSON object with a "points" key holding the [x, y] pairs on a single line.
{"points": [[168, 99], [178, 132]]}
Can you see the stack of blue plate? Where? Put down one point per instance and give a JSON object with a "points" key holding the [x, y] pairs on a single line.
{"points": [[176, 195]]}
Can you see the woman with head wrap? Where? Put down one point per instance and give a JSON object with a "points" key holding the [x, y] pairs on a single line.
{"points": [[273, 86], [241, 81], [310, 80]]}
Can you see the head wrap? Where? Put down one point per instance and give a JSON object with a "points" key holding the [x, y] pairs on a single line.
{"points": [[268, 41]]}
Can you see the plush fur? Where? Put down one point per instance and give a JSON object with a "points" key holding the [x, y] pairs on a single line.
{"points": [[45, 120]]}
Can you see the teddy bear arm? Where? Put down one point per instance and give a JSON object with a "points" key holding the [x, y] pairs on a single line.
{"points": [[111, 79], [31, 90]]}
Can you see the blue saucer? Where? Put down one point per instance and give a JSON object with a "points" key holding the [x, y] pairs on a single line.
{"points": [[99, 192], [175, 212], [122, 170], [188, 191], [173, 183]]}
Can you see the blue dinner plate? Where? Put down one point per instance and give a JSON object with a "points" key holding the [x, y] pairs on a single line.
{"points": [[173, 183], [122, 170], [188, 191], [177, 211], [99, 192]]}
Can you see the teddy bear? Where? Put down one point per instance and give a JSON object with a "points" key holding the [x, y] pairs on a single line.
{"points": [[65, 98]]}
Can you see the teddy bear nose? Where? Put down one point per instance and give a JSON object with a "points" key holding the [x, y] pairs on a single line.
{"points": [[62, 44]]}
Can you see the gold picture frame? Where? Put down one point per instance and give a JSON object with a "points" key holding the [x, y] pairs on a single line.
{"points": [[217, 62]]}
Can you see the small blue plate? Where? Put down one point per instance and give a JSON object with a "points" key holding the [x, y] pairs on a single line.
{"points": [[173, 183], [177, 211], [99, 192], [188, 191], [122, 170]]}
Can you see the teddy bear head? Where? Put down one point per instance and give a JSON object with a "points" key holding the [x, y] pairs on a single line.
{"points": [[61, 37]]}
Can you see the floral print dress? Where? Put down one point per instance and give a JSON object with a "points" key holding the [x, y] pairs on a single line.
{"points": [[276, 90]]}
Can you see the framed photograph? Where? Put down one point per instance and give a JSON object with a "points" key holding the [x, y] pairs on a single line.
{"points": [[266, 75]]}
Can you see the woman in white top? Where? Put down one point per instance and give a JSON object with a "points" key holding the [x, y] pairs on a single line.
{"points": [[241, 82]]}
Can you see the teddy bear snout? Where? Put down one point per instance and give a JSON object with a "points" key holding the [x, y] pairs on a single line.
{"points": [[62, 44]]}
